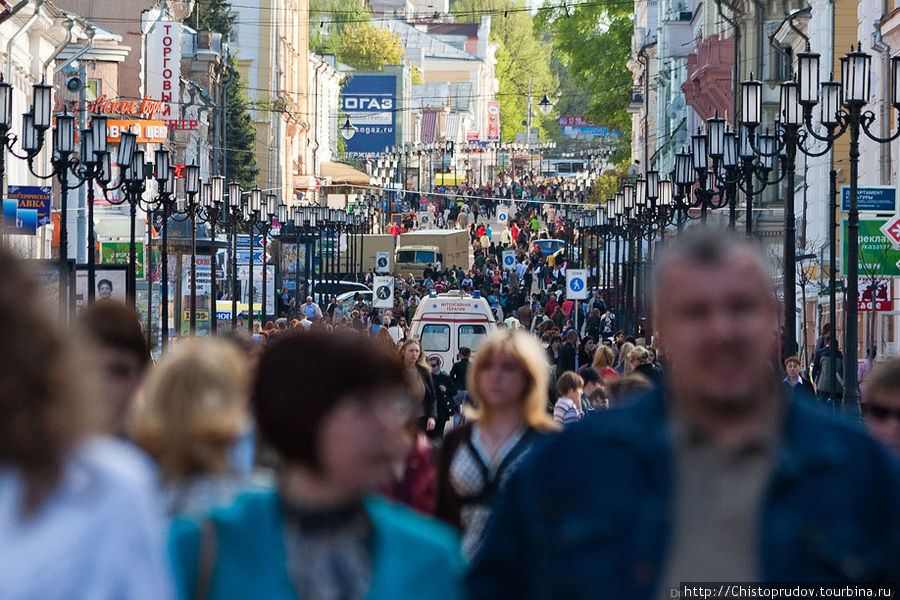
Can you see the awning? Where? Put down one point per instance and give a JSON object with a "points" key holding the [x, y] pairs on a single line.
{"points": [[340, 173], [305, 183]]}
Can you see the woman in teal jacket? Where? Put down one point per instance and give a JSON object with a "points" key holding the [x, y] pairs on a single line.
{"points": [[332, 406]]}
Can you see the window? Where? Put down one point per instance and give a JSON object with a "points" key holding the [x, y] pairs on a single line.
{"points": [[92, 90], [471, 336], [424, 256], [435, 338], [406, 256]]}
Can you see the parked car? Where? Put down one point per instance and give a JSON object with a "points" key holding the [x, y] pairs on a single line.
{"points": [[324, 290]]}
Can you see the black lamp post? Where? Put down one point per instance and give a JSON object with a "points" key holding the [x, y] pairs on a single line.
{"points": [[251, 218], [213, 200], [235, 214], [165, 179], [270, 211], [191, 206]]}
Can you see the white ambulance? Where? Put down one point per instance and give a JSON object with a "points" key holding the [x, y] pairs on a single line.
{"points": [[446, 322]]}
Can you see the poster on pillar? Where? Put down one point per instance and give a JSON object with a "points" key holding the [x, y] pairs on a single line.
{"points": [[203, 290], [163, 63], [257, 286]]}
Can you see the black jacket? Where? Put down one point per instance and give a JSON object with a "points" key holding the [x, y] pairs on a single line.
{"points": [[458, 373], [445, 404], [566, 360], [429, 401]]}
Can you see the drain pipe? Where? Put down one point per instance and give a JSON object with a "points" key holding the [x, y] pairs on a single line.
{"points": [[68, 24], [12, 40], [87, 48]]}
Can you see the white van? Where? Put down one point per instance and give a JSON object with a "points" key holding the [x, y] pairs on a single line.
{"points": [[446, 322]]}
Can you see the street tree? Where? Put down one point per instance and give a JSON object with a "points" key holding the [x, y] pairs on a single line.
{"points": [[593, 40], [521, 58], [368, 47]]}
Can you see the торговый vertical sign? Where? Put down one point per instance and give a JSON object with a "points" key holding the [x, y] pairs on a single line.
{"points": [[370, 102]]}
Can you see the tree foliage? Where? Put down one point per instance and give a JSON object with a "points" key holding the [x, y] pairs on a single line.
{"points": [[213, 15], [329, 18], [367, 47], [240, 133], [520, 57], [593, 40], [240, 150]]}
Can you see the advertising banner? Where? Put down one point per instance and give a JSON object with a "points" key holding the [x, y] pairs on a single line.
{"points": [[369, 101], [493, 132], [163, 63], [118, 253], [26, 208], [877, 257]]}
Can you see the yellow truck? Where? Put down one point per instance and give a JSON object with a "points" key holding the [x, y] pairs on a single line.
{"points": [[432, 249]]}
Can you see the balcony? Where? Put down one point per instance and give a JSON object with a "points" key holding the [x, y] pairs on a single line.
{"points": [[708, 87]]}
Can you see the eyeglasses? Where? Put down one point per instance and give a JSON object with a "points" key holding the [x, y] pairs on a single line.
{"points": [[879, 412]]}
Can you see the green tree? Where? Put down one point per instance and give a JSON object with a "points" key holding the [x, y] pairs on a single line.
{"points": [[213, 15], [240, 150], [240, 133], [521, 57], [329, 18], [593, 41], [367, 47]]}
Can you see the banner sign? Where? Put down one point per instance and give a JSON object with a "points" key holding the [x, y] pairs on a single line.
{"points": [[877, 257], [119, 253], [493, 132], [873, 198], [26, 208], [163, 62], [874, 294], [369, 101]]}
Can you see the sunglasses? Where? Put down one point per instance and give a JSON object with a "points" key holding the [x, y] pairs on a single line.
{"points": [[879, 412]]}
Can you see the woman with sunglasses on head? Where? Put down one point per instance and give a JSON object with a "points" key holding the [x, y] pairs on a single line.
{"points": [[508, 383]]}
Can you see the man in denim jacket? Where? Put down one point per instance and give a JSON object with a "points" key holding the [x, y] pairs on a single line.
{"points": [[716, 478]]}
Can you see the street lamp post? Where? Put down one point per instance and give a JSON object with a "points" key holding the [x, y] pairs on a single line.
{"points": [[252, 218], [191, 189], [235, 211], [165, 178], [213, 199]]}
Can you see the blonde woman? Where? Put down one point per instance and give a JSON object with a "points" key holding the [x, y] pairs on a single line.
{"points": [[194, 407], [639, 358], [624, 366], [508, 382], [604, 359]]}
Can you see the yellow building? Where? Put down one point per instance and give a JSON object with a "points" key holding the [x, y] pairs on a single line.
{"points": [[271, 43]]}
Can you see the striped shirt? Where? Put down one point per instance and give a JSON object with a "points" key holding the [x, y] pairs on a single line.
{"points": [[565, 411]]}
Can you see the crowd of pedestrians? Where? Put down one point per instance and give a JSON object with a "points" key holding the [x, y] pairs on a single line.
{"points": [[326, 457]]}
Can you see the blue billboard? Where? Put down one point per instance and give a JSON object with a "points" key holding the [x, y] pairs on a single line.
{"points": [[370, 102]]}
